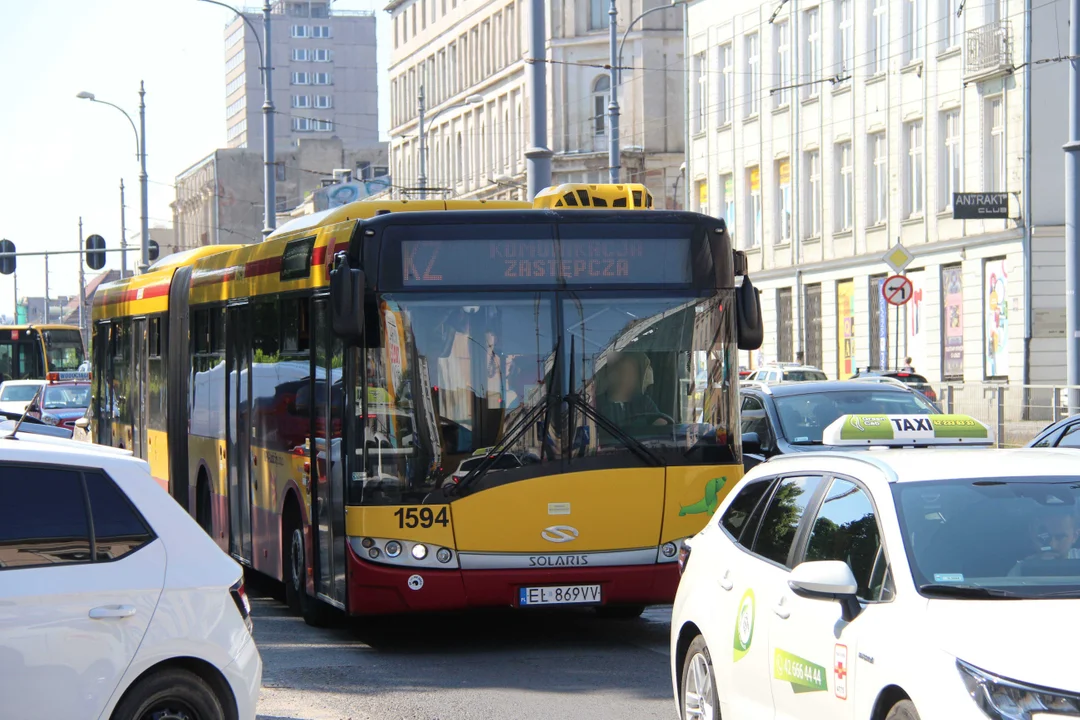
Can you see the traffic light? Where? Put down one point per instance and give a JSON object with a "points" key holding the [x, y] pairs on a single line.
{"points": [[95, 252], [7, 262], [153, 250]]}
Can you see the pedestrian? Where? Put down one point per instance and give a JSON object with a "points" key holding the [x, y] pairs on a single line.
{"points": [[908, 367]]}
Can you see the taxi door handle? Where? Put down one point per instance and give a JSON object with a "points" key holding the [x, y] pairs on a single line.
{"points": [[781, 610], [725, 582], [106, 612]]}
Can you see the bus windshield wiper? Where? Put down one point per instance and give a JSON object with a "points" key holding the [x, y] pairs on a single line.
{"points": [[967, 591], [636, 446], [511, 436]]}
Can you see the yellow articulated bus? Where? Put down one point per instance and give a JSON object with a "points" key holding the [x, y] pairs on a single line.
{"points": [[430, 410], [31, 352]]}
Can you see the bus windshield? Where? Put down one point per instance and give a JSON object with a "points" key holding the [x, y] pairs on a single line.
{"points": [[553, 381], [64, 349]]}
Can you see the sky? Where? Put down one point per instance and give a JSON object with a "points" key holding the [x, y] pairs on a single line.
{"points": [[62, 158]]}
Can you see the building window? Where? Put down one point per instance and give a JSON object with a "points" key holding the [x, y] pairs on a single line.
{"points": [[727, 202], [301, 31], [301, 124], [726, 90], [234, 62], [782, 90], [324, 102], [813, 205], [320, 11], [845, 187], [845, 39], [995, 145], [699, 99], [954, 22], [322, 55], [301, 101], [785, 325], [235, 84], [813, 51], [598, 14], [783, 200], [879, 178], [279, 171], [323, 126], [812, 332], [753, 207], [753, 73], [601, 92], [950, 166], [300, 78], [914, 178], [913, 30], [323, 31], [238, 129], [236, 107], [300, 55], [321, 79], [879, 36], [235, 36]]}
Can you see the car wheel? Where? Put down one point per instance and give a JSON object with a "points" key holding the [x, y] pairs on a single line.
{"points": [[175, 694], [620, 612], [903, 710], [699, 701]]}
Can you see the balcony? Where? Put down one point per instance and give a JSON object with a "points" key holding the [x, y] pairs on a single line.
{"points": [[988, 51]]}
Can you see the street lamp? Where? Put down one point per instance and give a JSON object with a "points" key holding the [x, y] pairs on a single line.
{"points": [[422, 132], [140, 153], [269, 178], [616, 79]]}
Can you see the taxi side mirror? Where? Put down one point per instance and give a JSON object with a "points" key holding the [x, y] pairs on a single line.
{"points": [[827, 580]]}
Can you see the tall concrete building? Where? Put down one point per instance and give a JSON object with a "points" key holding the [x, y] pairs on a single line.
{"points": [[468, 56], [826, 132], [324, 75]]}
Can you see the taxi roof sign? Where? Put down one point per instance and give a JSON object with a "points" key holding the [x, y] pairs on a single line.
{"points": [[67, 376], [907, 430]]}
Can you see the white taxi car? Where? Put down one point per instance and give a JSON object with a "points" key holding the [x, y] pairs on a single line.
{"points": [[113, 601], [887, 585]]}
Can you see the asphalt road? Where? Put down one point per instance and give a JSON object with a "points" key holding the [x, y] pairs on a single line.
{"points": [[528, 666]]}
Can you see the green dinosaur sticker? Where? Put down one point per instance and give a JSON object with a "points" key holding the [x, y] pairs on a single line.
{"points": [[803, 675], [744, 625], [709, 503]]}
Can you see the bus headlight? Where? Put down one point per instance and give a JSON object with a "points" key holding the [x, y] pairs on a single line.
{"points": [[444, 555], [419, 551], [393, 548]]}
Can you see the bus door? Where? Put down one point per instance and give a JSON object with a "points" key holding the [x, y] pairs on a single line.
{"points": [[237, 424], [328, 471], [137, 400]]}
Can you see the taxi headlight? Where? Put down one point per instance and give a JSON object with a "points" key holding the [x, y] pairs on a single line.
{"points": [[1003, 699]]}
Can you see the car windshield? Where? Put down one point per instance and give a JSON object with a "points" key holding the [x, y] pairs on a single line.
{"points": [[67, 397], [804, 375], [804, 417], [1005, 537], [18, 393]]}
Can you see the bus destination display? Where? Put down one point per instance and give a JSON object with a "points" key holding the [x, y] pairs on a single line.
{"points": [[654, 261]]}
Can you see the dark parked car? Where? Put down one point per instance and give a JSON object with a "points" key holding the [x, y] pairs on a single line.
{"points": [[792, 417], [912, 380], [1063, 433]]}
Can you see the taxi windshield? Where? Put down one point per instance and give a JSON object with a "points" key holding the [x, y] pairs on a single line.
{"points": [[67, 397], [992, 537], [804, 417]]}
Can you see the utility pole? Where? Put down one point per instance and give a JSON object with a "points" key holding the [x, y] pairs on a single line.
{"points": [[1072, 216], [123, 234], [613, 106], [269, 169], [421, 180], [144, 222], [538, 156], [82, 286], [46, 292]]}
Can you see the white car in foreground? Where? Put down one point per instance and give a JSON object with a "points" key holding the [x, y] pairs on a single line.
{"points": [[941, 584], [114, 604]]}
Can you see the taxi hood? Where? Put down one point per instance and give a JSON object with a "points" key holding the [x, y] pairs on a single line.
{"points": [[1030, 641]]}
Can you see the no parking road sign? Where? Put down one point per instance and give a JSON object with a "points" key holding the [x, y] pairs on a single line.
{"points": [[897, 290]]}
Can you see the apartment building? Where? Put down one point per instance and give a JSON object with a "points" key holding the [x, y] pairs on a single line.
{"points": [[826, 132], [324, 75], [467, 56]]}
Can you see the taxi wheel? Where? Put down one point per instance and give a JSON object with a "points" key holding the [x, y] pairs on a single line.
{"points": [[172, 693], [903, 710], [699, 701]]}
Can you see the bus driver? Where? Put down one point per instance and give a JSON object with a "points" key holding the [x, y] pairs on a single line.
{"points": [[623, 401]]}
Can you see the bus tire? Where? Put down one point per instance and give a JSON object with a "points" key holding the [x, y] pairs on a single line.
{"points": [[204, 511], [293, 558], [620, 612]]}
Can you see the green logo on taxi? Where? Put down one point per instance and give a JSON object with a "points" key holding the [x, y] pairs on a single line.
{"points": [[803, 675], [744, 625]]}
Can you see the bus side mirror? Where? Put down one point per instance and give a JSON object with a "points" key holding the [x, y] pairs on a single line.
{"points": [[347, 300], [749, 330]]}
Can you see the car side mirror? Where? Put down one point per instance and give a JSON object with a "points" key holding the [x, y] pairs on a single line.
{"points": [[83, 423], [827, 580], [751, 443]]}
